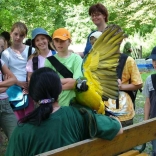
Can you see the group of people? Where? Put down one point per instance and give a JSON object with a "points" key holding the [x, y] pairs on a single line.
{"points": [[49, 118]]}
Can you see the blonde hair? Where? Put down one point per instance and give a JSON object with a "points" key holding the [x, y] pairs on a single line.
{"points": [[37, 51]]}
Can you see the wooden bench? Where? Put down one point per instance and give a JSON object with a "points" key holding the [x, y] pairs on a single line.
{"points": [[132, 136]]}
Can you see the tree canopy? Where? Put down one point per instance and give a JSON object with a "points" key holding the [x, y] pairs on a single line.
{"points": [[131, 15]]}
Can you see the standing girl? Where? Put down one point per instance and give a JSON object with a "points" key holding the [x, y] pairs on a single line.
{"points": [[8, 119], [43, 48], [15, 57]]}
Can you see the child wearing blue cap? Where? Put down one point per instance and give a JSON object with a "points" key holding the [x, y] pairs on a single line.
{"points": [[43, 49], [149, 92]]}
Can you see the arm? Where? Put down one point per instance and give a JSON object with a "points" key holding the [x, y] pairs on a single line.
{"points": [[128, 86], [107, 127], [29, 76], [68, 83], [147, 107], [120, 130], [10, 79], [131, 78]]}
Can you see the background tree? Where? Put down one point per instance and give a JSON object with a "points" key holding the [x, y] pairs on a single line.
{"points": [[135, 17]]}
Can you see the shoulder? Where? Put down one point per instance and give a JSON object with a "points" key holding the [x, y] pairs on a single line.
{"points": [[148, 79], [91, 33], [130, 61], [6, 51], [74, 55]]}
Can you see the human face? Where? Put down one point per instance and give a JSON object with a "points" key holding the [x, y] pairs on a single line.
{"points": [[61, 45], [16, 36], [92, 40], [41, 42], [154, 63], [2, 44], [98, 18]]}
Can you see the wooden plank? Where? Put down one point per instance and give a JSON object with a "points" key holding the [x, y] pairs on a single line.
{"points": [[132, 136], [130, 153]]}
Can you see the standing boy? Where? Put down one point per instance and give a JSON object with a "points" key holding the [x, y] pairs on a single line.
{"points": [[149, 92], [67, 62]]}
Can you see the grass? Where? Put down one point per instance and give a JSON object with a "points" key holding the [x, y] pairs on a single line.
{"points": [[140, 100]]}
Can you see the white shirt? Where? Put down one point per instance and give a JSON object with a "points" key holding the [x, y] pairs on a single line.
{"points": [[17, 62]]}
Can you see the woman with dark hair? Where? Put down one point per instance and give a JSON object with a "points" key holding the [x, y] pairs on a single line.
{"points": [[99, 16], [50, 126]]}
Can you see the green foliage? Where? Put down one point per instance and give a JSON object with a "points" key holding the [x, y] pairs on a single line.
{"points": [[133, 16]]}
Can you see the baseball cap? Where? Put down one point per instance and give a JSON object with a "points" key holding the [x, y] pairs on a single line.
{"points": [[153, 54], [96, 34], [62, 34], [39, 31]]}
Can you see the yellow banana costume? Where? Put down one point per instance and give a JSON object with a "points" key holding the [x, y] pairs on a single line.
{"points": [[99, 68]]}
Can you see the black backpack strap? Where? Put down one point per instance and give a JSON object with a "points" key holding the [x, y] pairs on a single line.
{"points": [[153, 77], [120, 68], [1, 67], [1, 70], [63, 70], [29, 51], [121, 65], [35, 63]]}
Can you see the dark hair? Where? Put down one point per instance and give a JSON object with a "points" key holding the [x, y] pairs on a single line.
{"points": [[6, 36], [28, 42], [44, 84], [99, 8]]}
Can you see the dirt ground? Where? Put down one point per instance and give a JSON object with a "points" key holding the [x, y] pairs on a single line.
{"points": [[3, 143]]}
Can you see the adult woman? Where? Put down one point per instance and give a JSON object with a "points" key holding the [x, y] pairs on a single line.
{"points": [[15, 57], [43, 48], [51, 126], [99, 15]]}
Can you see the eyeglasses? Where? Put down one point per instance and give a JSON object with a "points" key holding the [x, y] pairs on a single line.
{"points": [[95, 15]]}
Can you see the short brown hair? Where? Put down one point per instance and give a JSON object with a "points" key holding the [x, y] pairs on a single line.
{"points": [[21, 26], [99, 8]]}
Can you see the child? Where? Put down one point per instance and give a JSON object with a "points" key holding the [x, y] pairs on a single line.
{"points": [[61, 40], [94, 36], [149, 92], [15, 57], [41, 41]]}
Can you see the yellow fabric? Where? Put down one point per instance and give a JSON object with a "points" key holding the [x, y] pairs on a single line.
{"points": [[132, 74]]}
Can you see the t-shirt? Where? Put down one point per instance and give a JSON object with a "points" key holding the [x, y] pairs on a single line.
{"points": [[63, 127], [73, 63], [16, 62], [149, 92], [130, 74], [2, 95], [41, 60]]}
